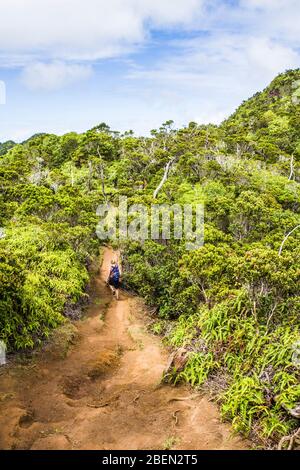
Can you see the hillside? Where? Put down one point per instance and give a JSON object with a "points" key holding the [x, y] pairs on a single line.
{"points": [[233, 304], [267, 126], [6, 146]]}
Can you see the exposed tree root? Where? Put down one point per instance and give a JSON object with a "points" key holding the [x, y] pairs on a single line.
{"points": [[174, 415], [191, 397], [290, 441]]}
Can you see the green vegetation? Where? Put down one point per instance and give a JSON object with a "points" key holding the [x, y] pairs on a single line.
{"points": [[233, 304], [6, 146]]}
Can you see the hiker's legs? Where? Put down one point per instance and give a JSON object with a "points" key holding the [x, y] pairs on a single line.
{"points": [[112, 288]]}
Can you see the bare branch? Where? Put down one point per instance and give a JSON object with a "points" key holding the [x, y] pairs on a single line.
{"points": [[164, 178], [285, 239], [101, 168], [271, 315], [292, 168]]}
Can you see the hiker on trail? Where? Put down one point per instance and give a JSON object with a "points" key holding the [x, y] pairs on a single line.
{"points": [[114, 278]]}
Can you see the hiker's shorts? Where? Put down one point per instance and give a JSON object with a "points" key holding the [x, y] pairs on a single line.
{"points": [[114, 282]]}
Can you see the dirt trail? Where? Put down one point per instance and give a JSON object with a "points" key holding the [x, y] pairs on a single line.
{"points": [[106, 392]]}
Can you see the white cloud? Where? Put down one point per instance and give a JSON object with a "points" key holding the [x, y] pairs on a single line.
{"points": [[216, 60], [215, 54], [84, 30], [50, 38], [55, 75], [2, 92], [262, 4], [271, 57], [276, 19], [209, 76]]}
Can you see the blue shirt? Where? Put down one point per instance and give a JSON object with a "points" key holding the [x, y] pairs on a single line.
{"points": [[115, 273]]}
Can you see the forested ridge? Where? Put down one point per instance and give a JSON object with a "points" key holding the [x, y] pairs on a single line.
{"points": [[233, 304]]}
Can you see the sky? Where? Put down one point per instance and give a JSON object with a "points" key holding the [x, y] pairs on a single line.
{"points": [[67, 65]]}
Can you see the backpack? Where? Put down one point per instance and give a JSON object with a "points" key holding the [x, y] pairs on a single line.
{"points": [[115, 274]]}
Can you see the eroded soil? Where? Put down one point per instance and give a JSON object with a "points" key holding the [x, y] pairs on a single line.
{"points": [[105, 391]]}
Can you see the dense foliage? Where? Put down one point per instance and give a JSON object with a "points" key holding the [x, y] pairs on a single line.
{"points": [[233, 304], [6, 146]]}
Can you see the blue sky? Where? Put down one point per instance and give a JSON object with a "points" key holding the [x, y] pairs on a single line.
{"points": [[68, 65]]}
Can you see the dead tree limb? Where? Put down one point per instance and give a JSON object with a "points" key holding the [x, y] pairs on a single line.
{"points": [[271, 315], [285, 239], [292, 168], [101, 169], [164, 178]]}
